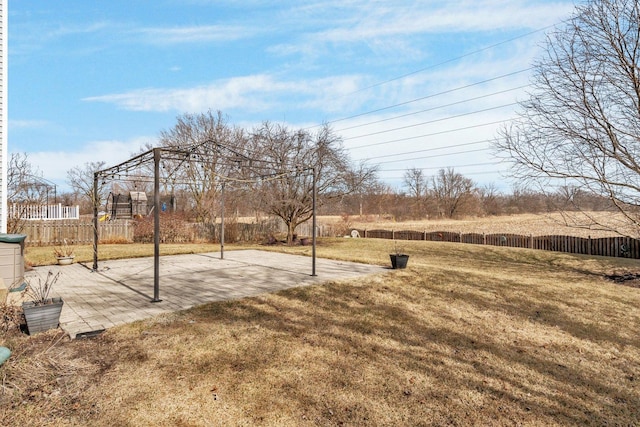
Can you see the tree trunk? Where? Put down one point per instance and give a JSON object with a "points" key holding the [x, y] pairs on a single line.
{"points": [[291, 228]]}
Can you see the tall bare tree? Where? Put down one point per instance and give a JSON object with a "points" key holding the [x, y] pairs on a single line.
{"points": [[362, 179], [289, 155], [203, 136], [454, 193], [580, 126], [415, 181]]}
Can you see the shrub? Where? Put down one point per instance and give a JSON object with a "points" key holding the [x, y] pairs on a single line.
{"points": [[173, 229]]}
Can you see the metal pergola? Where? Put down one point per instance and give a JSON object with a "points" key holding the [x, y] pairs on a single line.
{"points": [[154, 156]]}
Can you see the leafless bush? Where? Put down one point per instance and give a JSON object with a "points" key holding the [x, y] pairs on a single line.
{"points": [[174, 228], [39, 293], [10, 317], [344, 227]]}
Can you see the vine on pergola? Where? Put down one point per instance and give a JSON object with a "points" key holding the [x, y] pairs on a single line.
{"points": [[231, 166]]}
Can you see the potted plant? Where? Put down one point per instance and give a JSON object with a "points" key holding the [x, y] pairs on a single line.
{"points": [[64, 254], [398, 259], [41, 311]]}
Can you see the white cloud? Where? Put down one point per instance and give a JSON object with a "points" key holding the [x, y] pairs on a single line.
{"points": [[397, 25], [27, 124], [80, 29], [194, 34], [250, 93], [36, 35]]}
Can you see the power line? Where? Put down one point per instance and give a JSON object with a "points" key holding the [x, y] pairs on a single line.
{"points": [[499, 172], [425, 135], [428, 68], [428, 96], [432, 108], [443, 167], [436, 155], [428, 149], [432, 121], [451, 60]]}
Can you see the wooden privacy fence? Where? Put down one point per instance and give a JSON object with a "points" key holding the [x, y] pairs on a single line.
{"points": [[604, 246], [43, 233], [305, 229]]}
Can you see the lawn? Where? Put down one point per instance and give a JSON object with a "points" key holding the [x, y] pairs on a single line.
{"points": [[466, 335], [43, 255]]}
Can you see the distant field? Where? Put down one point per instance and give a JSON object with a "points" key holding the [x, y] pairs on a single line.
{"points": [[526, 224]]}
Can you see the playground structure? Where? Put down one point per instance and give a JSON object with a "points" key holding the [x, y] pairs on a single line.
{"points": [[234, 167], [126, 206], [135, 204]]}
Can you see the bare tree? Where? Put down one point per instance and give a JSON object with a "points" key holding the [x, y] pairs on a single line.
{"points": [[580, 126], [525, 200], [361, 180], [491, 199], [80, 179], [25, 186], [200, 173], [454, 193], [416, 182], [287, 189]]}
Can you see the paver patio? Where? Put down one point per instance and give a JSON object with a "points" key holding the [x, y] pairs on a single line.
{"points": [[121, 290]]}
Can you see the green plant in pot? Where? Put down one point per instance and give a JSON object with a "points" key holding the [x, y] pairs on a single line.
{"points": [[398, 259], [64, 254], [41, 311]]}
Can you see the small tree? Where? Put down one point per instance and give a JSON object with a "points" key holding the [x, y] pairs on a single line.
{"points": [[24, 187], [491, 200], [80, 179]]}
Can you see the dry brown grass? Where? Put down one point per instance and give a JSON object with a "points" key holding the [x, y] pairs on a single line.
{"points": [[43, 255], [525, 224], [467, 335]]}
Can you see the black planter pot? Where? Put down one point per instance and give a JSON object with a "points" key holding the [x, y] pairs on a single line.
{"points": [[399, 260]]}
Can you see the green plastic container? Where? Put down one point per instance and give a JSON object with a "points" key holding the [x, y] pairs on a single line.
{"points": [[4, 354], [12, 238]]}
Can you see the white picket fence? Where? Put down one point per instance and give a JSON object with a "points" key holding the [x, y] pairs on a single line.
{"points": [[43, 212]]}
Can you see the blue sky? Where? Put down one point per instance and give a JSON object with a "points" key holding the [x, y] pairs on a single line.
{"points": [[400, 81]]}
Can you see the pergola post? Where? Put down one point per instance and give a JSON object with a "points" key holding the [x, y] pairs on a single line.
{"points": [[313, 226], [156, 225], [222, 224], [95, 221]]}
